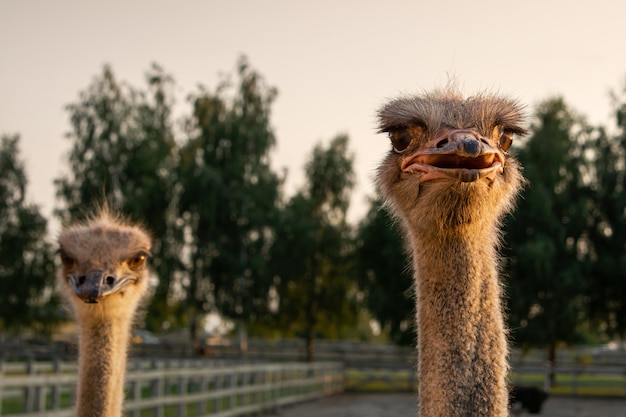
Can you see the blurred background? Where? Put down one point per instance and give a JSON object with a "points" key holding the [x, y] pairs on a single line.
{"points": [[243, 135]]}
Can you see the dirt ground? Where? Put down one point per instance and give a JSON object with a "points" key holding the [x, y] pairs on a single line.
{"points": [[402, 405]]}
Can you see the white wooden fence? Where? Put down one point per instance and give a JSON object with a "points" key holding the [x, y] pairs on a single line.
{"points": [[180, 388]]}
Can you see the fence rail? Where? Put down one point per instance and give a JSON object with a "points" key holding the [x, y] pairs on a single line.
{"points": [[173, 388], [589, 381], [201, 387]]}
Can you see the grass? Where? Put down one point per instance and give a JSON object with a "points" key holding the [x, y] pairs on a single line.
{"points": [[565, 384], [583, 385], [15, 404], [380, 381]]}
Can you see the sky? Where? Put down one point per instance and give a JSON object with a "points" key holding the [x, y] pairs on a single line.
{"points": [[333, 62]]}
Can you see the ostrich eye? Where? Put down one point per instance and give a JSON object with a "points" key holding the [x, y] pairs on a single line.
{"points": [[136, 262], [400, 139], [67, 261], [504, 137]]}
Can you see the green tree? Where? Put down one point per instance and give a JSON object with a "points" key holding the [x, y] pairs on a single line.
{"points": [[123, 154], [313, 248], [27, 300], [228, 200], [607, 293], [547, 237], [384, 274]]}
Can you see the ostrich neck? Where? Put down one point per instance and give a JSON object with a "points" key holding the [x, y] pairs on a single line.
{"points": [[461, 337], [102, 366]]}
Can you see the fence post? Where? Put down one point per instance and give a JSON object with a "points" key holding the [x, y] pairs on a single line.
{"points": [[29, 392], [245, 381], [180, 389], [135, 394], [202, 387], [232, 383], [266, 376], [217, 383], [40, 398], [156, 391], [1, 385], [55, 390]]}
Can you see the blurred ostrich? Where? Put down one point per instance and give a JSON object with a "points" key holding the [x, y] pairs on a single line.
{"points": [[104, 278]]}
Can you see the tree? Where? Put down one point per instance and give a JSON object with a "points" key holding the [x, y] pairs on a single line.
{"points": [[228, 200], [313, 248], [26, 263], [547, 239], [384, 274], [607, 292], [123, 155]]}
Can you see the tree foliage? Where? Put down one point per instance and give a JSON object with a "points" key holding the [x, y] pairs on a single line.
{"points": [[123, 155], [227, 241], [384, 274], [26, 265], [312, 252], [547, 239], [607, 291], [228, 199]]}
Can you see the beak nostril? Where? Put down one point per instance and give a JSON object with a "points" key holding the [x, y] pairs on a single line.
{"points": [[442, 143], [81, 279], [110, 280]]}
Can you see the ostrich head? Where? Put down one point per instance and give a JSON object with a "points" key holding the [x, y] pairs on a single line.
{"points": [[449, 164], [104, 267]]}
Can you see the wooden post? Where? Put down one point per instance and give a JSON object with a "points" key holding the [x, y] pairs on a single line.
{"points": [[1, 385], [180, 389], [156, 391], [202, 387], [55, 391], [29, 393], [135, 389], [231, 383]]}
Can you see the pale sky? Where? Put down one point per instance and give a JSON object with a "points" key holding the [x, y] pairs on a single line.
{"points": [[334, 63]]}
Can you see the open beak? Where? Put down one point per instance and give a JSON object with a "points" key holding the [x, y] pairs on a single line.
{"points": [[463, 155]]}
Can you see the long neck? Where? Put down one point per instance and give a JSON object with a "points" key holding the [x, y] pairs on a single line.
{"points": [[461, 337], [102, 366]]}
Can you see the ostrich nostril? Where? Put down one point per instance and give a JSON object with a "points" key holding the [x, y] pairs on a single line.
{"points": [[81, 279], [110, 281], [442, 143]]}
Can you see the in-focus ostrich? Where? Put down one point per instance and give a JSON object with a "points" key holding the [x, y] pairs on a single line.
{"points": [[104, 278], [449, 179]]}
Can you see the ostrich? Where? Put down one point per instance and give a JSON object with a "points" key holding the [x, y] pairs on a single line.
{"points": [[103, 277], [448, 180], [526, 398]]}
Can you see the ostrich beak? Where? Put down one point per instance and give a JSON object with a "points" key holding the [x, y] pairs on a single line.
{"points": [[460, 154], [96, 285]]}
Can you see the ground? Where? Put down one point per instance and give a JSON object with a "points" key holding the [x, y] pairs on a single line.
{"points": [[402, 405]]}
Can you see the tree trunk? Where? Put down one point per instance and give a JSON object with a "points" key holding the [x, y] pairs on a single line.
{"points": [[311, 313], [193, 335], [242, 339], [310, 328], [310, 347], [550, 374]]}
